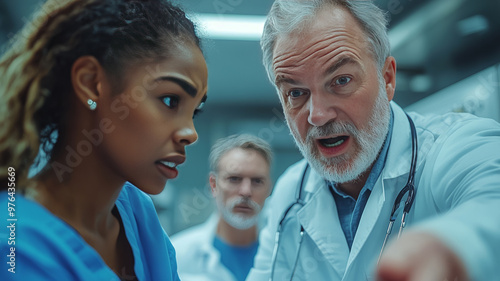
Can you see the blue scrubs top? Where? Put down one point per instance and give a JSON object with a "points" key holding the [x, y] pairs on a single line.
{"points": [[47, 248], [238, 259]]}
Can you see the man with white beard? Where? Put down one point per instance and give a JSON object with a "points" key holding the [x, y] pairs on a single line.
{"points": [[368, 165], [224, 247]]}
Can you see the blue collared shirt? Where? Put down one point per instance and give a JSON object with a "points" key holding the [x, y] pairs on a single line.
{"points": [[350, 210]]}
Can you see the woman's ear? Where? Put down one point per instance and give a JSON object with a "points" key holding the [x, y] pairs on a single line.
{"points": [[86, 77]]}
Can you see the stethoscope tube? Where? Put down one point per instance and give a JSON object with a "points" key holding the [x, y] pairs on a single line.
{"points": [[408, 188], [298, 252], [299, 201]]}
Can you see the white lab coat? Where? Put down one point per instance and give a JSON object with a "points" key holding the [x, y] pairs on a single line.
{"points": [[197, 259], [457, 198]]}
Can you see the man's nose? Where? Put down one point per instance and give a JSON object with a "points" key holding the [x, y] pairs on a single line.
{"points": [[321, 109], [246, 187]]}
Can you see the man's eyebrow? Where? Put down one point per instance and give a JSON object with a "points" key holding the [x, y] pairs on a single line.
{"points": [[280, 79], [339, 63], [190, 89]]}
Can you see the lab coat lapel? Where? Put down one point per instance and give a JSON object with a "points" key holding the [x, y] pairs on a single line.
{"points": [[207, 250], [375, 219], [369, 218], [392, 179], [320, 221], [210, 255]]}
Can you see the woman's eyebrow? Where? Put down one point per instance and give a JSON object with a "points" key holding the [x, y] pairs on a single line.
{"points": [[190, 89]]}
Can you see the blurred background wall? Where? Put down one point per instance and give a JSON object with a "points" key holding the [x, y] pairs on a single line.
{"points": [[448, 59]]}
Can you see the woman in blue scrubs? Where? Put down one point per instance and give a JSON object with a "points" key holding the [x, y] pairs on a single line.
{"points": [[105, 93]]}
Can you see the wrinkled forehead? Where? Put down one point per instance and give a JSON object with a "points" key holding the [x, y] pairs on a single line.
{"points": [[330, 29], [238, 158]]}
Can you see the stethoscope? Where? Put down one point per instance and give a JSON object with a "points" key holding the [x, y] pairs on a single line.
{"points": [[408, 188]]}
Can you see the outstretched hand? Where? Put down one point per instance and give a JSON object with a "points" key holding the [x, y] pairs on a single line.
{"points": [[419, 256]]}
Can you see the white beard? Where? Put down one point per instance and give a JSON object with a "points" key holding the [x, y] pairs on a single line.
{"points": [[347, 168], [238, 221]]}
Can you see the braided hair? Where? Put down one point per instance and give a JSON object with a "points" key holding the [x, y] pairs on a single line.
{"points": [[35, 73]]}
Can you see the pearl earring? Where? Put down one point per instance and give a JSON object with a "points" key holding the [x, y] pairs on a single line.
{"points": [[92, 104]]}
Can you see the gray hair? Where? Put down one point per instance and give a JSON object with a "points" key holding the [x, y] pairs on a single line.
{"points": [[244, 141], [287, 16]]}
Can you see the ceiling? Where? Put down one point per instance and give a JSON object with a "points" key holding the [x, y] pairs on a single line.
{"points": [[435, 42]]}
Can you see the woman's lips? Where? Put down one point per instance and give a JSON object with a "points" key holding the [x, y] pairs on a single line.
{"points": [[167, 170], [168, 165]]}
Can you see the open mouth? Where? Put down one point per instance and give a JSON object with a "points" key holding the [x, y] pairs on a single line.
{"points": [[168, 164], [168, 169], [333, 142]]}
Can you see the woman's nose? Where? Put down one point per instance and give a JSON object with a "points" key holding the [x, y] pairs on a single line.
{"points": [[186, 135]]}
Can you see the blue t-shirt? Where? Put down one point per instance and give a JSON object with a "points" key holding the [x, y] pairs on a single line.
{"points": [[238, 259], [47, 248]]}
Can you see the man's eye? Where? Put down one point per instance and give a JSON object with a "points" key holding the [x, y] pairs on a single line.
{"points": [[343, 80], [295, 93], [170, 101], [234, 179], [258, 181]]}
